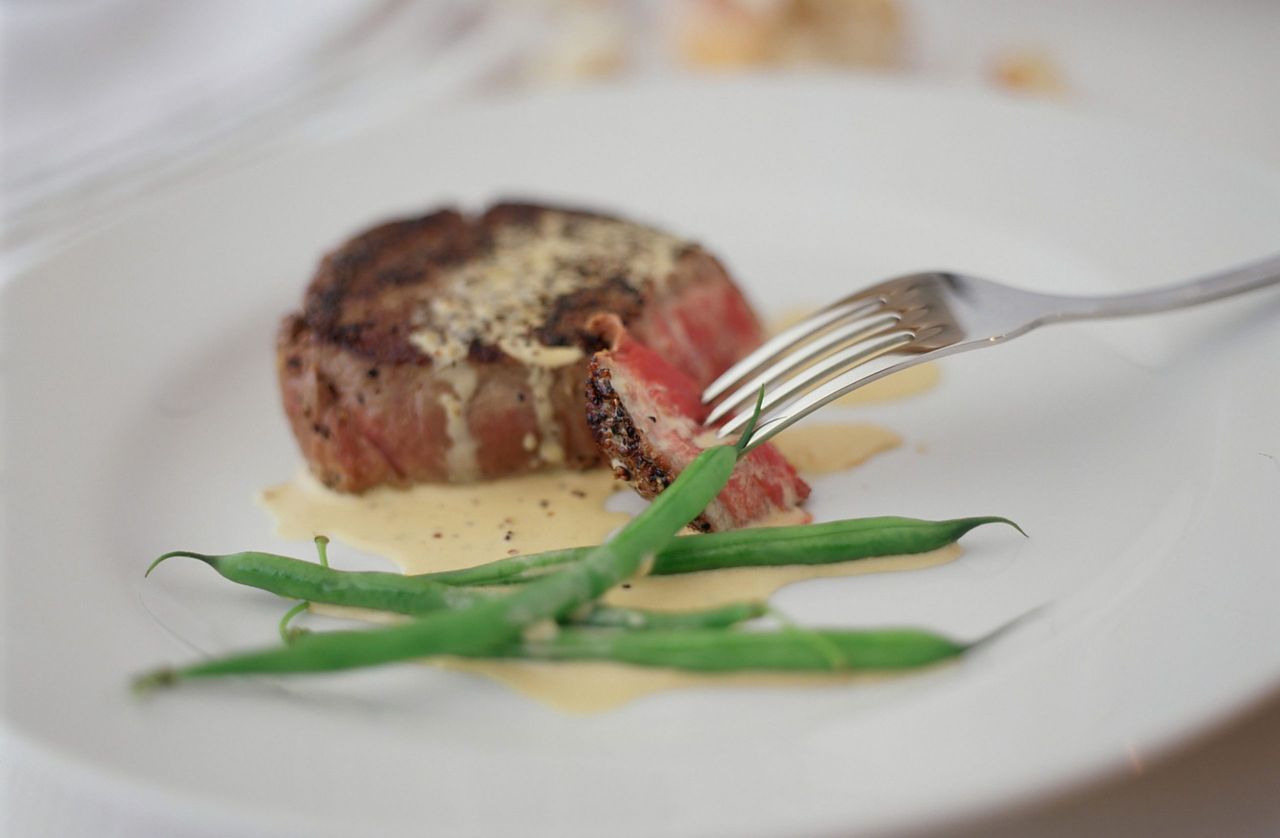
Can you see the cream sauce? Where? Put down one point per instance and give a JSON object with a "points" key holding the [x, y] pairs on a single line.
{"points": [[462, 452], [533, 354], [909, 382], [550, 437], [443, 526], [440, 527], [825, 447], [502, 296]]}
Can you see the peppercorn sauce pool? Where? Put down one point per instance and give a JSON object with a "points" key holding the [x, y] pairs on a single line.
{"points": [[433, 527]]}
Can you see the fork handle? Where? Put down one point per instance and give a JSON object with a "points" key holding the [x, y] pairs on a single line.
{"points": [[1215, 286]]}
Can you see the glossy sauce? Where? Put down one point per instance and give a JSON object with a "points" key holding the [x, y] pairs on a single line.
{"points": [[461, 454], [909, 382], [443, 526], [825, 447], [440, 527]]}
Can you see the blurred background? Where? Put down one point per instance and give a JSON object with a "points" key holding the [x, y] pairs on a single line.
{"points": [[104, 99], [107, 101]]}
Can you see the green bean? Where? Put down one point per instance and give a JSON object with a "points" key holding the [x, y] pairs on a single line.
{"points": [[491, 623], [283, 627], [297, 579], [286, 634], [796, 650], [813, 544], [809, 544], [416, 596], [604, 616], [508, 570]]}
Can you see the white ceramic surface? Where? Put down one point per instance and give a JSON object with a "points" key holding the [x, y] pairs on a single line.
{"points": [[1141, 456]]}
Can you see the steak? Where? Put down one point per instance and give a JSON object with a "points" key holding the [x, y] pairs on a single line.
{"points": [[450, 347], [647, 416]]}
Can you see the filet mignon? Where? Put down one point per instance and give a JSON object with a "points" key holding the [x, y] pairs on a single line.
{"points": [[453, 348]]}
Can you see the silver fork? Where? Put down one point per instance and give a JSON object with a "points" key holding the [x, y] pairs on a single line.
{"points": [[924, 317]]}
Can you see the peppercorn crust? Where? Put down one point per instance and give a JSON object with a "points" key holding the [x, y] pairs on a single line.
{"points": [[629, 453]]}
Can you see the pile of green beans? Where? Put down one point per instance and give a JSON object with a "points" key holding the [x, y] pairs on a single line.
{"points": [[416, 595], [703, 648], [492, 623], [453, 613]]}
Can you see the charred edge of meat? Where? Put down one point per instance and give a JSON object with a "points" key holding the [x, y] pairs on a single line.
{"points": [[415, 251], [566, 323], [633, 459], [375, 262]]}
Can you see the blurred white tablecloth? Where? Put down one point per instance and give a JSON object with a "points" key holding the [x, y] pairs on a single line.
{"points": [[105, 100]]}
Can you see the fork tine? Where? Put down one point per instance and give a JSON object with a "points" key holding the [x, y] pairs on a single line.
{"points": [[771, 349], [832, 390], [788, 363], [846, 360]]}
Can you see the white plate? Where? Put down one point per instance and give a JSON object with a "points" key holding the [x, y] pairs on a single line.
{"points": [[1141, 457]]}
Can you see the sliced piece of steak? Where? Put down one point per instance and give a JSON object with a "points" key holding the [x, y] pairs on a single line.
{"points": [[453, 348], [647, 416]]}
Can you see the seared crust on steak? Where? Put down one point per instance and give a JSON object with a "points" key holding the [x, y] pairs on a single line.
{"points": [[647, 417], [453, 348], [632, 458]]}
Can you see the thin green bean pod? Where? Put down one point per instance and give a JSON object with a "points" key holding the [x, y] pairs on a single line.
{"points": [[606, 616], [810, 544], [790, 650], [813, 544], [493, 622], [298, 579], [415, 596]]}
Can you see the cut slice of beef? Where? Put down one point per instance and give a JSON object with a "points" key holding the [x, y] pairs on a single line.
{"points": [[647, 416], [453, 348]]}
